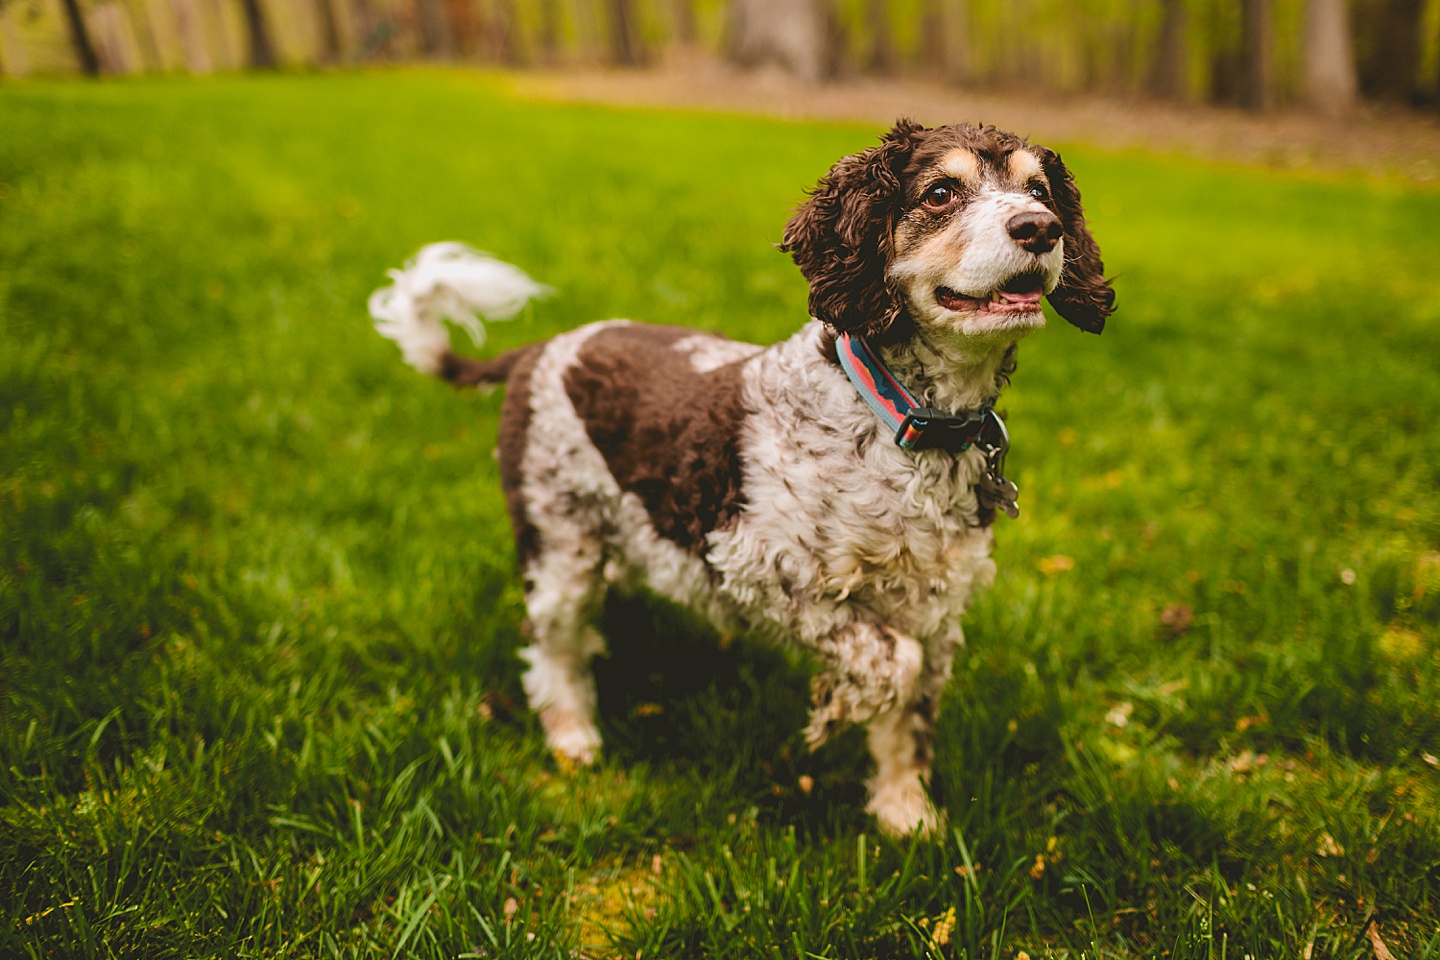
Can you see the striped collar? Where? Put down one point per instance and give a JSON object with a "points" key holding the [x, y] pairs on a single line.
{"points": [[925, 428]]}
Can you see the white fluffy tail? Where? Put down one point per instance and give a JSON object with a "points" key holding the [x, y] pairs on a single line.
{"points": [[448, 281]]}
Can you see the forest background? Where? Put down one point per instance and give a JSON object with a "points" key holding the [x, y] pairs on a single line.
{"points": [[1326, 55]]}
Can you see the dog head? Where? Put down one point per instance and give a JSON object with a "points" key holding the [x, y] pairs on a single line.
{"points": [[959, 229]]}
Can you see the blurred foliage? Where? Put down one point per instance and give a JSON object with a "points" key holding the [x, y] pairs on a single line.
{"points": [[1109, 47]]}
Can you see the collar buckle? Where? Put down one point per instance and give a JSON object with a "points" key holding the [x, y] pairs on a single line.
{"points": [[925, 428]]}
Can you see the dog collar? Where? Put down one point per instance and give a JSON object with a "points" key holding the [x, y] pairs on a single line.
{"points": [[925, 428]]}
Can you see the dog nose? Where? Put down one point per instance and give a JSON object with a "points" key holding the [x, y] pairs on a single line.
{"points": [[1036, 232]]}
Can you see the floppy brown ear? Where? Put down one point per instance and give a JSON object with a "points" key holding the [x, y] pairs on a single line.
{"points": [[842, 238], [1083, 296]]}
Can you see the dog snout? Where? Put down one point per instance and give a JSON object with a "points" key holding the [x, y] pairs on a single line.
{"points": [[1036, 231]]}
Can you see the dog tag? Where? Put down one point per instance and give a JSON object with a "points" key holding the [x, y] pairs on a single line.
{"points": [[997, 493]]}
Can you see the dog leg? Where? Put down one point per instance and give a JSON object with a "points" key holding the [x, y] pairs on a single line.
{"points": [[900, 743], [565, 592], [865, 670]]}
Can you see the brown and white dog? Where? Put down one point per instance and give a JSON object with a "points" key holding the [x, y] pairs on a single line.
{"points": [[754, 484]]}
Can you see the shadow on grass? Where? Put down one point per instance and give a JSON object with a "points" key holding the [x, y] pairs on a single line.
{"points": [[675, 696]]}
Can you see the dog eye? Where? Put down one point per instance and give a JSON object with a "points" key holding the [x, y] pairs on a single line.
{"points": [[940, 195], [1038, 191]]}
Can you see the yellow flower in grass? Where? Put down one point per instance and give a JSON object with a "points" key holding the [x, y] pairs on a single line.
{"points": [[944, 927], [1059, 563]]}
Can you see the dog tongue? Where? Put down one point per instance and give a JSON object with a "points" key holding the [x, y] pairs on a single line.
{"points": [[1029, 296]]}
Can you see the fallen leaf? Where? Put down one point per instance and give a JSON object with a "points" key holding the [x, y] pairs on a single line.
{"points": [[1176, 619], [1382, 952], [1327, 847], [1245, 723]]}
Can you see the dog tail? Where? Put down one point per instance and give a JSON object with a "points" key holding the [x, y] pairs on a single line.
{"points": [[450, 281]]}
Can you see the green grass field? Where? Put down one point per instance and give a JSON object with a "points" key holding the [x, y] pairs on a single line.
{"points": [[258, 692]]}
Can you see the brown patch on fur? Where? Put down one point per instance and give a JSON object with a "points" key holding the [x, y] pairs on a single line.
{"points": [[468, 371], [669, 433], [514, 431]]}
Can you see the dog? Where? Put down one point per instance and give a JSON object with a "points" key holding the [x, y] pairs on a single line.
{"points": [[834, 492]]}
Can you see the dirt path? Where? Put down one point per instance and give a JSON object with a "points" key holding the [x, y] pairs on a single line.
{"points": [[1381, 142]]}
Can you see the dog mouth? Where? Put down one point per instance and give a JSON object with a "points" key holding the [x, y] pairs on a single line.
{"points": [[1020, 294]]}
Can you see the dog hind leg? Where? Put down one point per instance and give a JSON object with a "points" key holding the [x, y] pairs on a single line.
{"points": [[564, 593]]}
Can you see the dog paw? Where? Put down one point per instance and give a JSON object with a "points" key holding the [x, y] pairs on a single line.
{"points": [[904, 810], [573, 741]]}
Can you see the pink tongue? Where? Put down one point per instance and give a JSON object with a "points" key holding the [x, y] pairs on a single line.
{"points": [[1032, 297]]}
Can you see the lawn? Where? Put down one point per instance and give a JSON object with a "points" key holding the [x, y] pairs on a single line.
{"points": [[258, 605]]}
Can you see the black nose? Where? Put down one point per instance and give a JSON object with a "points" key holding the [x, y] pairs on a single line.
{"points": [[1036, 232]]}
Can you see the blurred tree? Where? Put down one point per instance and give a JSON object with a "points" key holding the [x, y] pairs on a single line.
{"points": [[795, 34], [685, 31], [1330, 84], [548, 36], [463, 26], [144, 26], [327, 32], [955, 29], [508, 42], [882, 43], [1258, 90], [1169, 73], [80, 39], [1390, 61], [625, 48], [262, 52], [436, 37], [932, 36]]}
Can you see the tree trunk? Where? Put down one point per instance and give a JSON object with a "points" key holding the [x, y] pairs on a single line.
{"points": [[956, 36], [1169, 76], [932, 36], [1394, 59], [624, 40], [436, 37], [262, 54], [793, 34], [1259, 41], [192, 41], [328, 28], [141, 21], [683, 17], [1330, 84], [882, 42], [548, 37], [80, 39]]}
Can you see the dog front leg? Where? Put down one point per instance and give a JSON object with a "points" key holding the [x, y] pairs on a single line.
{"points": [[900, 743], [866, 670], [871, 674]]}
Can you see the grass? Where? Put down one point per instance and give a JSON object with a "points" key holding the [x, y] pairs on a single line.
{"points": [[258, 695]]}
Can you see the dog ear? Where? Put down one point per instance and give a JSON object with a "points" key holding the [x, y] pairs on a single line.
{"points": [[1083, 296], [842, 238]]}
